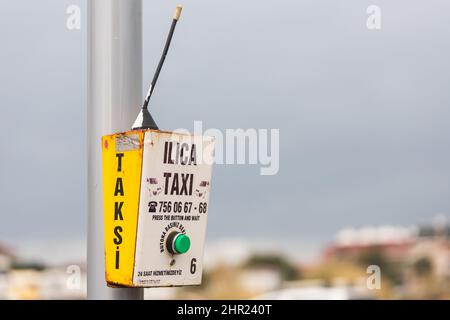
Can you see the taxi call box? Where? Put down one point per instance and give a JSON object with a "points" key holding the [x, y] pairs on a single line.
{"points": [[156, 189]]}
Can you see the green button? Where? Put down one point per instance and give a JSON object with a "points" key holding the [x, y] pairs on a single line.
{"points": [[182, 243]]}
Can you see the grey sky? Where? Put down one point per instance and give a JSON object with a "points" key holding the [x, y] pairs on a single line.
{"points": [[363, 115]]}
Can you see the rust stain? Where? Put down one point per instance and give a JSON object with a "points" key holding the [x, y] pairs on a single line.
{"points": [[113, 284], [157, 133]]}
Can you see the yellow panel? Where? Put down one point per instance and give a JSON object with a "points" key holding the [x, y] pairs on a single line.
{"points": [[122, 166]]}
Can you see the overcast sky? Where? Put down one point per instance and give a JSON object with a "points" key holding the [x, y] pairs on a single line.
{"points": [[363, 115]]}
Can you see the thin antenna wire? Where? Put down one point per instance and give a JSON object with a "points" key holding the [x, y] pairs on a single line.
{"points": [[163, 57]]}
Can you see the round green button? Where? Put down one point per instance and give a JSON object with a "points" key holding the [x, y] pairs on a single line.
{"points": [[182, 243]]}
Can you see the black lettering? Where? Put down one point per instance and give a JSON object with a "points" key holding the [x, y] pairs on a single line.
{"points": [[193, 155], [118, 210], [117, 232], [119, 187], [170, 160], [119, 161], [177, 153], [175, 187], [184, 181], [184, 159], [117, 258], [165, 152], [167, 175], [184, 153]]}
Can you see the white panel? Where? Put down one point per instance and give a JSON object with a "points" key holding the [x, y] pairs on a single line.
{"points": [[167, 206]]}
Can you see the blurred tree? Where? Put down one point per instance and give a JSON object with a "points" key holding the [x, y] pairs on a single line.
{"points": [[31, 265], [287, 270], [423, 267]]}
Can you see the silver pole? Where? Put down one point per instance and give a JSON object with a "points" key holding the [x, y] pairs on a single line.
{"points": [[114, 98]]}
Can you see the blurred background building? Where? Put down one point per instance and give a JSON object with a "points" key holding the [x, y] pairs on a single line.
{"points": [[414, 263]]}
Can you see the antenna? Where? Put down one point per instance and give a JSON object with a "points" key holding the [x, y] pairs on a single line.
{"points": [[144, 120]]}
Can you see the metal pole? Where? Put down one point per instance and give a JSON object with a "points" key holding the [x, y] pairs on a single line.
{"points": [[114, 99]]}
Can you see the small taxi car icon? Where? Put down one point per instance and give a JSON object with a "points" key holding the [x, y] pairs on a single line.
{"points": [[153, 186], [202, 190]]}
